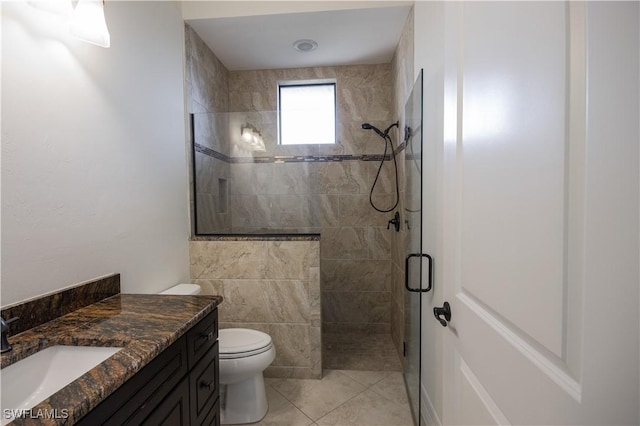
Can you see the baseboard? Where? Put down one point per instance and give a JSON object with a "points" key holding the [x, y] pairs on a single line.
{"points": [[429, 415]]}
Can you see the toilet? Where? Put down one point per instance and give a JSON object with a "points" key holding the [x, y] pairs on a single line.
{"points": [[244, 355], [183, 289]]}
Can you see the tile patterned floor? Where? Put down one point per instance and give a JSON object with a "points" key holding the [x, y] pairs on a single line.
{"points": [[355, 351], [340, 398]]}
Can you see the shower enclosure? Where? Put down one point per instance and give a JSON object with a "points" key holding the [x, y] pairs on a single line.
{"points": [[256, 188]]}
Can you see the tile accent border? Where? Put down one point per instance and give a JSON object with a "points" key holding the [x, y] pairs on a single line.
{"points": [[37, 311], [294, 158]]}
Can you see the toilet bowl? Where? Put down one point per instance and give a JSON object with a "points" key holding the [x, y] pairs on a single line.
{"points": [[244, 355]]}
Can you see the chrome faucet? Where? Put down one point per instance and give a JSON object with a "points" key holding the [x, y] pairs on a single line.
{"points": [[4, 342]]}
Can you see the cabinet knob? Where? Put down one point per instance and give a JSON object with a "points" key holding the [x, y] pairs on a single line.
{"points": [[209, 336], [206, 385]]}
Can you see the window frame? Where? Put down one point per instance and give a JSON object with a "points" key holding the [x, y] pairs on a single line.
{"points": [[308, 83]]}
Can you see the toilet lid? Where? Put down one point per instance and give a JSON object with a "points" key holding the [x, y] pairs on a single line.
{"points": [[241, 342]]}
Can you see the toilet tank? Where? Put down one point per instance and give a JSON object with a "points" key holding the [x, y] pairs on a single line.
{"points": [[183, 289]]}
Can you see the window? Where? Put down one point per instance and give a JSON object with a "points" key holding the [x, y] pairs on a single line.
{"points": [[307, 112]]}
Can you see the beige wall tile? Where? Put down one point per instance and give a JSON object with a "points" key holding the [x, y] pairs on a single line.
{"points": [[397, 325], [356, 307], [287, 260], [314, 254], [277, 372], [253, 211], [343, 243], [210, 287], [315, 355], [315, 298], [340, 177], [227, 259], [324, 210], [355, 210], [253, 326], [386, 183], [265, 301], [360, 328], [293, 346], [397, 283], [379, 242], [355, 275]]}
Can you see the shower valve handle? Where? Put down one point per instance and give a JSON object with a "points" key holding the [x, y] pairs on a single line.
{"points": [[395, 222]]}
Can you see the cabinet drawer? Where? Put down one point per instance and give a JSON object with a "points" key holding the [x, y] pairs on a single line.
{"points": [[203, 382], [202, 337]]}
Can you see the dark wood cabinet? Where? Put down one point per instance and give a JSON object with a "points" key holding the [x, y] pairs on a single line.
{"points": [[178, 387], [173, 410]]}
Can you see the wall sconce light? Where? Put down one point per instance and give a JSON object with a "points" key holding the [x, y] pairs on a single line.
{"points": [[58, 7], [88, 23], [247, 133], [252, 137]]}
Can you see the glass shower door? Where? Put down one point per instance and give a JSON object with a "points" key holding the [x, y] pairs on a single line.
{"points": [[414, 258]]}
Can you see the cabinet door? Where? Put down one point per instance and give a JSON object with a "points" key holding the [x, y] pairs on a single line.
{"points": [[213, 418], [173, 410], [204, 383]]}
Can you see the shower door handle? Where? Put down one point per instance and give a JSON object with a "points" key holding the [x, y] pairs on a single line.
{"points": [[406, 272]]}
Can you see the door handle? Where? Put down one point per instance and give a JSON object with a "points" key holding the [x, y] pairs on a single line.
{"points": [[445, 312], [406, 272]]}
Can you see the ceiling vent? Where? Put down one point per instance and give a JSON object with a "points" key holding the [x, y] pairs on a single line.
{"points": [[305, 45]]}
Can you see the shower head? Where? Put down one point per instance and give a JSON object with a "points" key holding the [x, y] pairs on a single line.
{"points": [[367, 126], [383, 135]]}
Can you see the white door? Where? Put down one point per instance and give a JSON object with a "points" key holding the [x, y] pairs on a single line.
{"points": [[541, 208]]}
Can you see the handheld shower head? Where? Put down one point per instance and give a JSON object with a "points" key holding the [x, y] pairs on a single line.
{"points": [[367, 126]]}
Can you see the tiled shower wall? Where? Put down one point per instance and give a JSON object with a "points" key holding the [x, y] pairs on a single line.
{"points": [[402, 66], [326, 197], [271, 286], [332, 197]]}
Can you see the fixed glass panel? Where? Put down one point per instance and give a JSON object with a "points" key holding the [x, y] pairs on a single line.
{"points": [[413, 216]]}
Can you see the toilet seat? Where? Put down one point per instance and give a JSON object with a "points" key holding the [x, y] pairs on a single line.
{"points": [[242, 342]]}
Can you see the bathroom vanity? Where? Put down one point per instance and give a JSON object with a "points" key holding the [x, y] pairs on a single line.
{"points": [[179, 387], [165, 373]]}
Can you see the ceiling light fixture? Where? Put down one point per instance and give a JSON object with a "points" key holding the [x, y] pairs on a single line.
{"points": [[305, 45]]}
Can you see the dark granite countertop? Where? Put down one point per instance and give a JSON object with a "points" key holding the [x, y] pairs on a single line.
{"points": [[257, 237], [143, 325]]}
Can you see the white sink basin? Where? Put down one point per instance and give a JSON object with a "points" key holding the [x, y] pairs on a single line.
{"points": [[32, 380]]}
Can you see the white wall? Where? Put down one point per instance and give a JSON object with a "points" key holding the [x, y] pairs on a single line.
{"points": [[94, 169]]}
